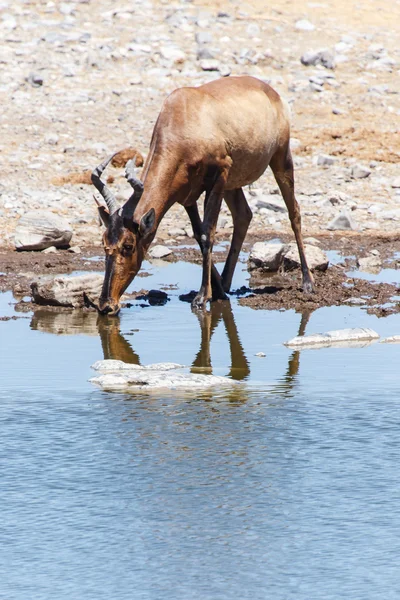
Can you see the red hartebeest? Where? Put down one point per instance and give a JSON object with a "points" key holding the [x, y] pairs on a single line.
{"points": [[215, 138]]}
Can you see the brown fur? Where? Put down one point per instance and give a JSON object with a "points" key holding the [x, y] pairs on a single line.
{"points": [[215, 138]]}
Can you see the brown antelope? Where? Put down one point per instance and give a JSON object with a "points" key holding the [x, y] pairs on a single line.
{"points": [[215, 138]]}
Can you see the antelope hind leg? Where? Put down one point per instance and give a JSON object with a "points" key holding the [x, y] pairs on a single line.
{"points": [[282, 167]]}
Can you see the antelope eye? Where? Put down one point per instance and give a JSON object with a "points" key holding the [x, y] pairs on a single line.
{"points": [[127, 247]]}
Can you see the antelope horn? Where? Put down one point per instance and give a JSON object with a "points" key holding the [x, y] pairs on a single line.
{"points": [[130, 173], [108, 196]]}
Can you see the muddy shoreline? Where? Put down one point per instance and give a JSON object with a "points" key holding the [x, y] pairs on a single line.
{"points": [[280, 291]]}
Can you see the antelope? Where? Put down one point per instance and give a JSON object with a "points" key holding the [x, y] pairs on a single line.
{"points": [[215, 138]]}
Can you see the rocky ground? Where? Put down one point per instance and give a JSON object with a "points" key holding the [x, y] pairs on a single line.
{"points": [[82, 79]]}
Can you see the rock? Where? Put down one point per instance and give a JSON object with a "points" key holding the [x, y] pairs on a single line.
{"points": [[204, 53], [260, 354], [339, 337], [35, 80], [342, 222], [396, 183], [304, 25], [209, 64], [271, 203], [154, 297], [355, 301], [67, 291], [119, 376], [316, 258], [360, 172], [266, 256], [40, 229], [325, 160], [318, 57], [370, 264], [111, 365], [253, 30], [159, 251], [50, 250], [393, 339], [75, 249], [176, 231], [173, 54], [203, 37], [224, 70]]}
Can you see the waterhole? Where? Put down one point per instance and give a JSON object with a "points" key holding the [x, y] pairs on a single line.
{"points": [[288, 490]]}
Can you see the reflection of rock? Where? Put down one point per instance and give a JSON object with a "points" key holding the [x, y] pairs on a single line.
{"points": [[339, 337], [67, 291], [120, 377], [65, 323], [40, 229]]}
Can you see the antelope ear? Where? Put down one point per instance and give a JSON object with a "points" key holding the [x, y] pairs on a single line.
{"points": [[104, 215], [147, 222]]}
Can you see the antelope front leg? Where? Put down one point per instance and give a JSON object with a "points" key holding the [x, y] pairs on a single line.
{"points": [[211, 213], [197, 225]]}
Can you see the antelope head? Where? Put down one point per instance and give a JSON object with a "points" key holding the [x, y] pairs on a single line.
{"points": [[125, 241]]}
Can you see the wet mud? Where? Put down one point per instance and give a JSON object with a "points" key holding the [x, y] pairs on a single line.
{"points": [[340, 284]]}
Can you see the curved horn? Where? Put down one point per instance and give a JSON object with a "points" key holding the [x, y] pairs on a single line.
{"points": [[108, 196], [130, 173]]}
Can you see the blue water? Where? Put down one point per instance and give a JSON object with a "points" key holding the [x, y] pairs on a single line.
{"points": [[289, 491]]}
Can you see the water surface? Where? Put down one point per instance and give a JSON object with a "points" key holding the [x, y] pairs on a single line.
{"points": [[289, 490]]}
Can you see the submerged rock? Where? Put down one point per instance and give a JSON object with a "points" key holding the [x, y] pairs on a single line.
{"points": [[339, 337], [40, 229], [119, 376], [67, 291]]}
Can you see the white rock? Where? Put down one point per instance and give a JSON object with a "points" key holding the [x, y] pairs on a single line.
{"points": [[209, 64], [173, 54], [67, 291], [325, 160], [271, 202], [342, 337], [128, 377], [360, 172], [370, 264], [316, 258], [396, 183], [342, 222], [159, 251], [112, 365], [266, 256], [50, 250], [40, 229], [304, 25]]}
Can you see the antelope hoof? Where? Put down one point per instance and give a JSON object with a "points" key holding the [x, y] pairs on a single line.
{"points": [[219, 295], [199, 302], [308, 286]]}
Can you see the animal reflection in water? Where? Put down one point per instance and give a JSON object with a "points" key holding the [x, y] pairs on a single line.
{"points": [[116, 346]]}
